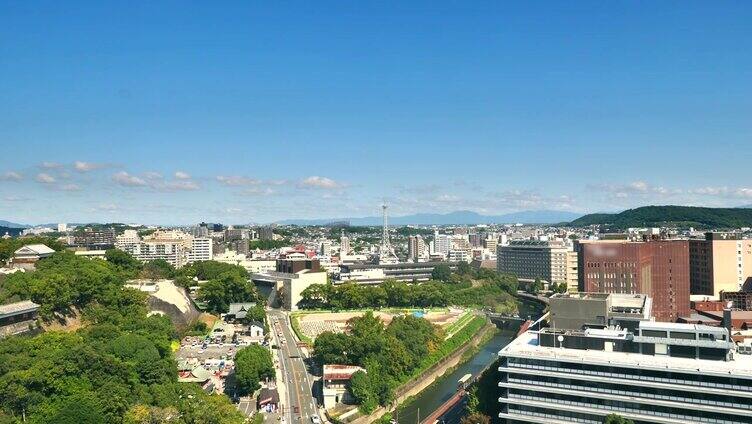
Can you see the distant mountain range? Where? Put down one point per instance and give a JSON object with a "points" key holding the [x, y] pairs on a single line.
{"points": [[8, 224], [452, 218], [657, 216]]}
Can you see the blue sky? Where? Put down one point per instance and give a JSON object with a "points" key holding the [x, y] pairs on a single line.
{"points": [[171, 112]]}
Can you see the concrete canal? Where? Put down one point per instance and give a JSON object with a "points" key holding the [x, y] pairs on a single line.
{"points": [[444, 388]]}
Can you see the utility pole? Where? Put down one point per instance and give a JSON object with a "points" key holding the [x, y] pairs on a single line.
{"points": [[418, 419]]}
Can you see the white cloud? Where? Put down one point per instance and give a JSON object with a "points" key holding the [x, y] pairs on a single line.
{"points": [[70, 187], [182, 175], [51, 165], [125, 179], [739, 192], [16, 199], [151, 175], [258, 191], [320, 182], [81, 166], [236, 180], [11, 176], [182, 185], [107, 207], [45, 178]]}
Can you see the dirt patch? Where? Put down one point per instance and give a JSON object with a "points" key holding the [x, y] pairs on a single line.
{"points": [[314, 324]]}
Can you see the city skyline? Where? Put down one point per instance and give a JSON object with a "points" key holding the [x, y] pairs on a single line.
{"points": [[259, 113]]}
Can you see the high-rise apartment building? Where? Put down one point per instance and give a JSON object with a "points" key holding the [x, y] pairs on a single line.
{"points": [[171, 246], [266, 233], [551, 261], [442, 243], [95, 238], [325, 248], [416, 248], [344, 244], [720, 262], [658, 268], [491, 243], [201, 249]]}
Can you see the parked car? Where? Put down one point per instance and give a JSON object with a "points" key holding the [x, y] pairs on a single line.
{"points": [[315, 419]]}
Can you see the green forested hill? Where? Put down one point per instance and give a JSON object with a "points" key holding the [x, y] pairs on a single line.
{"points": [[655, 216]]}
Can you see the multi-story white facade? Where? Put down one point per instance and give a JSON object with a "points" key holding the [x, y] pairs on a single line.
{"points": [[201, 249], [344, 245], [442, 243], [659, 373], [325, 248], [175, 247], [551, 261], [416, 248]]}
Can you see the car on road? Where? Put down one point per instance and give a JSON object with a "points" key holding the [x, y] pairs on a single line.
{"points": [[315, 419]]}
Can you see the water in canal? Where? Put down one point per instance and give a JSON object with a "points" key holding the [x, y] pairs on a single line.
{"points": [[434, 396]]}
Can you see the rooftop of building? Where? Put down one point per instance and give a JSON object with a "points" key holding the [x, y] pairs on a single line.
{"points": [[340, 372], [526, 345], [39, 249], [17, 308]]}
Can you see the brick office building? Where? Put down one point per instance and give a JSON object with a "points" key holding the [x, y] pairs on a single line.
{"points": [[659, 269]]}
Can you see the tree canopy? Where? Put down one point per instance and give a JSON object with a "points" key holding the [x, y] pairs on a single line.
{"points": [[482, 288], [390, 354], [117, 368], [252, 364]]}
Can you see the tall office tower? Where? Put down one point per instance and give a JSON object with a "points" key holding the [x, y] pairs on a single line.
{"points": [[642, 370], [720, 262], [658, 268], [416, 248], [62, 227], [344, 244], [551, 261], [474, 239]]}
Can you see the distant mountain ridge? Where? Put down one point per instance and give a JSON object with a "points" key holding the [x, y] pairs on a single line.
{"points": [[451, 218], [656, 216], [8, 224]]}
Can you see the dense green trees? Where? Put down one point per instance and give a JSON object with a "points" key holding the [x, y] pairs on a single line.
{"points": [[361, 388], [441, 273], [661, 216], [117, 368], [227, 288], [390, 354], [267, 244], [482, 288], [157, 269], [224, 284], [252, 364]]}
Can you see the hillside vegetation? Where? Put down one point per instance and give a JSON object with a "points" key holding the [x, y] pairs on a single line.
{"points": [[682, 216]]}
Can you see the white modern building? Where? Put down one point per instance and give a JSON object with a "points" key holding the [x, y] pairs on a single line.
{"points": [[660, 373], [171, 246], [442, 243], [201, 249]]}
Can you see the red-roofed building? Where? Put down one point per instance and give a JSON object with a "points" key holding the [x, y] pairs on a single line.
{"points": [[335, 380]]}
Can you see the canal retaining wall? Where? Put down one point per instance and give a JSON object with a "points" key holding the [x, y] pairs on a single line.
{"points": [[418, 384]]}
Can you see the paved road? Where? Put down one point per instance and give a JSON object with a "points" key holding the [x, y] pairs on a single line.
{"points": [[301, 404]]}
